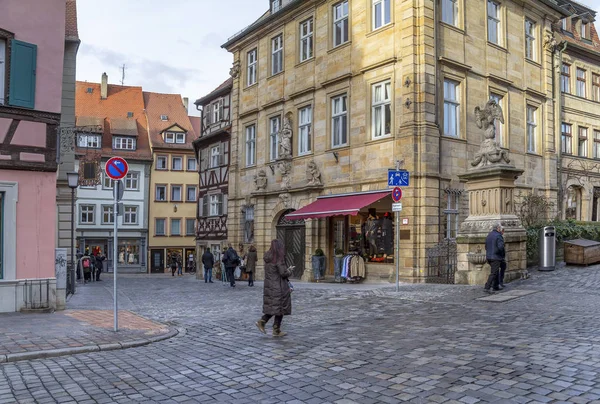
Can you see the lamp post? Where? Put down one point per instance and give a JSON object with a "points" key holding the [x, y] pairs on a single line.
{"points": [[73, 180]]}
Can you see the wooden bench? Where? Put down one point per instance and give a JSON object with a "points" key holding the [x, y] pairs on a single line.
{"points": [[582, 252]]}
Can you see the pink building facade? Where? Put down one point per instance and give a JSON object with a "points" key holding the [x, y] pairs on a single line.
{"points": [[32, 45]]}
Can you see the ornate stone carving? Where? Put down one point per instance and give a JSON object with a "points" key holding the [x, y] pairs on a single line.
{"points": [[285, 168], [285, 138], [286, 199], [313, 175], [485, 226], [550, 43], [234, 72], [260, 180], [489, 153]]}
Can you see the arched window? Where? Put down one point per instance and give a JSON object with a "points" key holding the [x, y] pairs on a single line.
{"points": [[573, 207]]}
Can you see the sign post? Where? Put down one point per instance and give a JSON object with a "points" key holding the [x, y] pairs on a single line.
{"points": [[397, 178], [116, 168]]}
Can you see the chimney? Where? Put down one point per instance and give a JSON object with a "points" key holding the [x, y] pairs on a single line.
{"points": [[186, 102], [104, 87]]}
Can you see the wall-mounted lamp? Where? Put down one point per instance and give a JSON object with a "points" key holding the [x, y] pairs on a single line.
{"points": [[175, 208], [407, 82], [337, 156], [272, 167], [407, 103]]}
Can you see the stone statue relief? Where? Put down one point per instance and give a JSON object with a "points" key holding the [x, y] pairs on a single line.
{"points": [[313, 175], [286, 199], [489, 153], [285, 168], [285, 138], [260, 180]]}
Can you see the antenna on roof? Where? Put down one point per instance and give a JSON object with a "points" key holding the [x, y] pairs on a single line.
{"points": [[123, 74]]}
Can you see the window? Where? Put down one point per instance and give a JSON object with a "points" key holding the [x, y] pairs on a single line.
{"points": [[274, 126], [596, 87], [177, 163], [107, 214], [21, 71], [87, 141], [450, 12], [164, 118], [161, 163], [175, 193], [573, 207], [107, 182], [304, 130], [249, 224], [124, 143], [563, 24], [451, 109], [582, 142], [597, 144], [251, 62], [340, 23], [132, 181], [565, 79], [277, 54], [130, 215], [306, 40], [499, 125], [169, 137], [215, 156], [191, 164], [90, 173], [175, 227], [566, 142], [161, 193], [275, 5], [451, 211], [86, 214], [584, 31], [250, 145], [339, 121], [381, 13], [529, 39], [531, 129], [191, 193], [580, 90], [216, 205], [217, 111], [180, 138], [381, 110], [190, 227], [159, 227], [493, 20]]}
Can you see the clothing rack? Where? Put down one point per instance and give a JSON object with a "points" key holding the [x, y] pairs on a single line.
{"points": [[353, 267]]}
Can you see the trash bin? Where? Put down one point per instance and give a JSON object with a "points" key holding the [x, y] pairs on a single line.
{"points": [[547, 249]]}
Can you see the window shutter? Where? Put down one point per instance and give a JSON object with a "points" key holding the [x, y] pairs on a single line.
{"points": [[225, 153], [221, 154], [204, 159], [221, 109], [220, 210], [23, 59], [224, 198], [205, 206]]}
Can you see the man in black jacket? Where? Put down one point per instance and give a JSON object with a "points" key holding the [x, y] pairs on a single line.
{"points": [[208, 260], [99, 265], [494, 253], [231, 260]]}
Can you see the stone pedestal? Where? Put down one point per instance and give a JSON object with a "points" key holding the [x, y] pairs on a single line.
{"points": [[491, 200]]}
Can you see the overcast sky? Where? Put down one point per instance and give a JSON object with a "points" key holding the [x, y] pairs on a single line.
{"points": [[169, 46]]}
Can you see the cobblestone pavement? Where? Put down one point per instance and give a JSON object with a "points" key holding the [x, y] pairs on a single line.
{"points": [[346, 343]]}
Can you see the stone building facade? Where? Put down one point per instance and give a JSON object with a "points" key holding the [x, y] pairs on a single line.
{"points": [[366, 86]]}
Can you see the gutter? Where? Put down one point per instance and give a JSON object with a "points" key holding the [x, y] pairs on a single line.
{"points": [[558, 120]]}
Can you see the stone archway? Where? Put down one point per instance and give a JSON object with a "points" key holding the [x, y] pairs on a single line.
{"points": [[292, 235]]}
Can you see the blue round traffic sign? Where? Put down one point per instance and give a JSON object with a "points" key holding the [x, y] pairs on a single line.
{"points": [[116, 168], [397, 194]]}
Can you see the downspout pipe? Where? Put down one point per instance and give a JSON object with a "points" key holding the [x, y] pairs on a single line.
{"points": [[437, 114], [558, 96]]}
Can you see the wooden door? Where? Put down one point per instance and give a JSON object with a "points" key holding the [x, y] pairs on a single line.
{"points": [[157, 259]]}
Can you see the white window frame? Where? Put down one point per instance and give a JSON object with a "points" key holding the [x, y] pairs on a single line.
{"points": [[583, 30], [215, 156], [250, 145], [180, 137], [164, 188], [165, 159], [193, 232], [124, 143], [171, 232], [450, 12], [274, 128], [277, 54], [582, 141], [306, 39], [565, 79], [494, 22], [173, 188], [596, 150], [305, 130], [132, 181], [108, 216], [596, 87], [339, 120], [566, 138], [452, 108], [580, 90], [86, 141], [381, 107], [175, 159], [169, 137], [107, 182], [215, 205], [195, 166], [275, 5], [130, 212], [340, 18], [164, 226], [386, 13], [500, 138], [2, 69], [89, 210], [531, 116], [216, 110], [452, 212], [252, 63], [187, 193], [530, 49]]}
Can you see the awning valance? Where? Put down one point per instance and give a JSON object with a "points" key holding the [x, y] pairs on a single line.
{"points": [[338, 205]]}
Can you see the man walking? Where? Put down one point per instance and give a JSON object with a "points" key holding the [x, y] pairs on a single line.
{"points": [[231, 260], [208, 260], [494, 253], [502, 265], [99, 265]]}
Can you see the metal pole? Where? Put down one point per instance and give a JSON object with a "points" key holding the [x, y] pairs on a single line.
{"points": [[397, 255], [73, 256], [115, 241]]}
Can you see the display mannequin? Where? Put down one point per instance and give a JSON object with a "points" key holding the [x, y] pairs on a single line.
{"points": [[372, 227], [387, 230]]}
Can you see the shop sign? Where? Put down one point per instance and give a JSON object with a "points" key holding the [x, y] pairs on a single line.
{"points": [[397, 207], [405, 221]]}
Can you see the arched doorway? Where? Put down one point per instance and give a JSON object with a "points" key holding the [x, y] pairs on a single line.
{"points": [[291, 233]]}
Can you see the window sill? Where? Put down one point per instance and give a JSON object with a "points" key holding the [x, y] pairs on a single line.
{"points": [[160, 201], [452, 27], [336, 48], [176, 170], [454, 139], [172, 201], [191, 171], [272, 76], [499, 47], [533, 154], [337, 148], [380, 139], [161, 169], [190, 201], [533, 62], [160, 235], [380, 29], [250, 86], [307, 154], [304, 62]]}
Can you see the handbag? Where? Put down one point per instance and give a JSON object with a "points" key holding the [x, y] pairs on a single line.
{"points": [[237, 273]]}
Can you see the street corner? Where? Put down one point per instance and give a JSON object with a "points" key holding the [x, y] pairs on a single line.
{"points": [[128, 321]]}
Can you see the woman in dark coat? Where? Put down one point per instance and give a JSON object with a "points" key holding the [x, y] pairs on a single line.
{"points": [[251, 259], [277, 297]]}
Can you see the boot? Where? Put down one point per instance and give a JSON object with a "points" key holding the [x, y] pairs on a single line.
{"points": [[277, 332], [261, 325]]}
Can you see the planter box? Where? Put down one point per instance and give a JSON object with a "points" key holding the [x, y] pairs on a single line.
{"points": [[582, 252]]}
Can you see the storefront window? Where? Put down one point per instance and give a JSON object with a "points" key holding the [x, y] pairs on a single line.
{"points": [[370, 235], [129, 252], [174, 254]]}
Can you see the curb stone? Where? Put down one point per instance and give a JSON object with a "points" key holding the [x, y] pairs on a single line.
{"points": [[51, 353]]}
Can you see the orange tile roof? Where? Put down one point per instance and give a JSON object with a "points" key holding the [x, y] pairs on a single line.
{"points": [[170, 105], [120, 101], [71, 31], [196, 121]]}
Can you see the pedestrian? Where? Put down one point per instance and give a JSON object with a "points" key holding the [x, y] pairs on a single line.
{"points": [[502, 265], [191, 262], [494, 253], [99, 265], [173, 265], [251, 258], [208, 260], [179, 266], [85, 265], [277, 295], [231, 260]]}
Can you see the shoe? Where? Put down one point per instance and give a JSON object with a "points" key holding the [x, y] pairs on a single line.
{"points": [[491, 292], [205, 281], [497, 290], [210, 282], [500, 287], [98, 280], [278, 333], [261, 325]]}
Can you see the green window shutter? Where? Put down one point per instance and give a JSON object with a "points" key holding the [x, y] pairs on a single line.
{"points": [[23, 59]]}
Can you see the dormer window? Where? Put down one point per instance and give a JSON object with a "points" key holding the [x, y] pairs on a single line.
{"points": [[563, 24], [124, 143], [275, 5], [175, 137], [585, 30], [130, 115], [89, 90], [164, 117]]}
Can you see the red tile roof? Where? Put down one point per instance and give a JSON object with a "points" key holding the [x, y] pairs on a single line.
{"points": [[170, 105], [573, 36], [71, 31], [196, 121]]}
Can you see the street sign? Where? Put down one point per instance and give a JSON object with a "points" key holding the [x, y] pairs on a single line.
{"points": [[120, 209], [398, 178], [116, 168], [397, 194], [404, 221], [397, 207], [118, 190]]}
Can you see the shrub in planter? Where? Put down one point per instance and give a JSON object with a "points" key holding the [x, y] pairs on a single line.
{"points": [[318, 264]]}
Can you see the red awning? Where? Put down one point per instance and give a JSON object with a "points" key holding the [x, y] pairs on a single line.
{"points": [[337, 205]]}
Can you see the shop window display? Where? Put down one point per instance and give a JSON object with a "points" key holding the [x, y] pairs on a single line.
{"points": [[129, 252], [372, 236]]}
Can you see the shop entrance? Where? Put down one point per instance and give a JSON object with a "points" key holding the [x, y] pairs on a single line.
{"points": [[157, 261], [291, 233]]}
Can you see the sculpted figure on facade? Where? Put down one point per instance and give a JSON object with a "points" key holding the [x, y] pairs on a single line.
{"points": [[313, 175], [285, 199], [260, 180], [285, 138], [490, 152], [285, 168], [234, 72]]}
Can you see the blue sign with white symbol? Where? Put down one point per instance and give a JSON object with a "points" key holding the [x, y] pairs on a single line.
{"points": [[398, 178], [116, 168]]}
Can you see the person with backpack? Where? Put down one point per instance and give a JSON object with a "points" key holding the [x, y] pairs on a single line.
{"points": [[86, 266], [231, 260]]}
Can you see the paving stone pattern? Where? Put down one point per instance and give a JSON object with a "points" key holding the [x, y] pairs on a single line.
{"points": [[346, 344]]}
